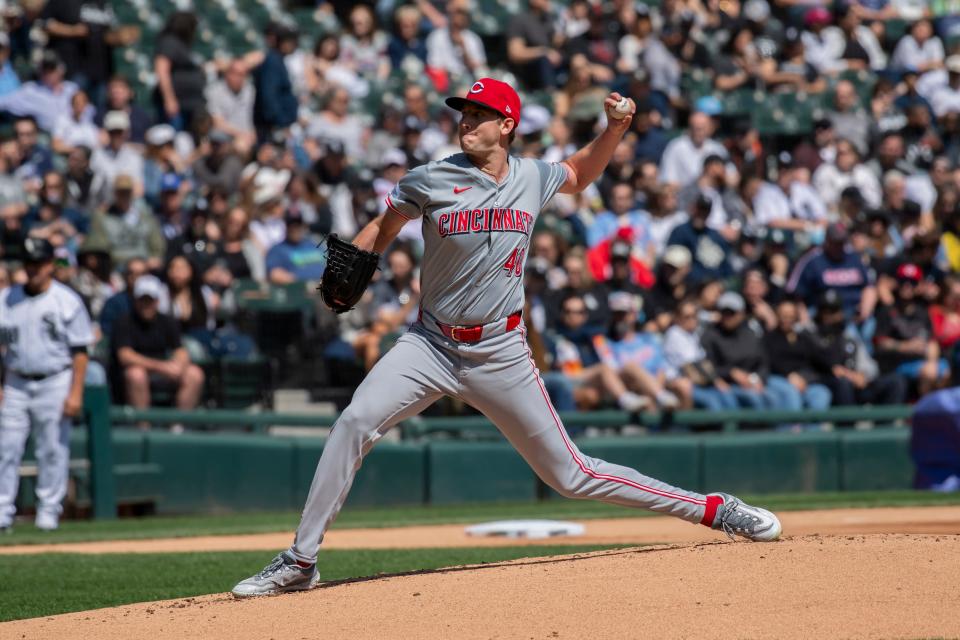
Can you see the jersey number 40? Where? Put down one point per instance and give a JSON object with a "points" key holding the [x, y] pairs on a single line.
{"points": [[514, 264]]}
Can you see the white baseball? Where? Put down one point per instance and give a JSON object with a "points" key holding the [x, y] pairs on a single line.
{"points": [[621, 110]]}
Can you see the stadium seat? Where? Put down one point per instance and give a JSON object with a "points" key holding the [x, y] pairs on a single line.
{"points": [[696, 84], [740, 101], [245, 382], [784, 114]]}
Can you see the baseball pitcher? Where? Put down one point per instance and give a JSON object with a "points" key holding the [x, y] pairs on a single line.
{"points": [[478, 209]]}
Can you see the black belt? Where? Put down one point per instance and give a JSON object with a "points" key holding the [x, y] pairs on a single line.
{"points": [[37, 376]]}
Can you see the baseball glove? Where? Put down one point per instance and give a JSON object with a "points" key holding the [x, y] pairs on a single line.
{"points": [[347, 274]]}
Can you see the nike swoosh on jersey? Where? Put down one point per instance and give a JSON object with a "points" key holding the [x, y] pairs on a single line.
{"points": [[457, 190]]}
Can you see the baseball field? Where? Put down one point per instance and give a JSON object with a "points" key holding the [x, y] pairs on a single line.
{"points": [[851, 565]]}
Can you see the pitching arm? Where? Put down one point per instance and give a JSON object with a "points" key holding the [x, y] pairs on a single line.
{"points": [[586, 165]]}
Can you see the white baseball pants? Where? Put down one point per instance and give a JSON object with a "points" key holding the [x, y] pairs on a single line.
{"points": [[37, 404]]}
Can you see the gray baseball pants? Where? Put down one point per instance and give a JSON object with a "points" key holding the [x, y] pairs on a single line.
{"points": [[498, 377]]}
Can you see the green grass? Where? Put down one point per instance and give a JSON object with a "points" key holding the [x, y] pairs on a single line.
{"points": [[181, 526], [42, 585]]}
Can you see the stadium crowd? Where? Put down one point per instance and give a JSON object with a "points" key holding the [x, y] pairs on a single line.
{"points": [[711, 265]]}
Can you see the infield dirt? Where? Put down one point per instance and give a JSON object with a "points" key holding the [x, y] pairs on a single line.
{"points": [[854, 586], [613, 531]]}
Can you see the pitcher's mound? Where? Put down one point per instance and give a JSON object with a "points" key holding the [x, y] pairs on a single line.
{"points": [[878, 586]]}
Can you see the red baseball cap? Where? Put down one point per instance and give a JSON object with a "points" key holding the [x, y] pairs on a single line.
{"points": [[909, 271], [492, 94], [817, 15]]}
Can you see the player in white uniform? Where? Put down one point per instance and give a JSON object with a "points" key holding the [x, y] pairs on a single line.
{"points": [[478, 210], [44, 333]]}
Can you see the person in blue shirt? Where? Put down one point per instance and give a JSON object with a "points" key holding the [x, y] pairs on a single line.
{"points": [[50, 218], [577, 366], [407, 41], [296, 258], [623, 213], [638, 357], [651, 139], [709, 251], [121, 303], [43, 99], [275, 106], [9, 80], [37, 158], [833, 266]]}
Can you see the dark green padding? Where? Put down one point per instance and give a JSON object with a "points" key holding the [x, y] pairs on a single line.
{"points": [[202, 472], [223, 472], [391, 474], [128, 445], [771, 463], [477, 472], [876, 460], [135, 484]]}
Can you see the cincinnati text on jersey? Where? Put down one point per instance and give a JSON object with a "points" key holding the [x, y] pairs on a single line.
{"points": [[483, 220]]}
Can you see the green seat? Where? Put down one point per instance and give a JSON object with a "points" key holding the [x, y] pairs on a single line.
{"points": [[247, 289], [101, 351], [296, 296], [126, 13], [696, 84], [772, 120], [784, 114], [542, 98], [740, 101], [244, 382], [895, 29]]}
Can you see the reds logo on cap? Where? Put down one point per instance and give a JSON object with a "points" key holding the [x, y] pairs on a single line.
{"points": [[492, 94]]}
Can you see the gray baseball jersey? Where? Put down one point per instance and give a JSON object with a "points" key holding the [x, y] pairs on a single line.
{"points": [[38, 333], [475, 233]]}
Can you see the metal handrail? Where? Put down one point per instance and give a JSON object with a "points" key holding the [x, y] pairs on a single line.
{"points": [[479, 425]]}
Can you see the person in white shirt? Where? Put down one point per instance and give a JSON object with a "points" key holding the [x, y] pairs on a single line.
{"points": [[665, 215], [830, 179], [945, 99], [823, 46], [920, 49], [393, 166], [336, 122], [788, 203], [230, 103], [455, 48], [268, 226], [682, 161], [685, 353], [75, 128], [118, 156]]}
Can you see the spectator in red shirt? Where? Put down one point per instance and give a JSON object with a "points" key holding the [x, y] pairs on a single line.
{"points": [[945, 318], [904, 338]]}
